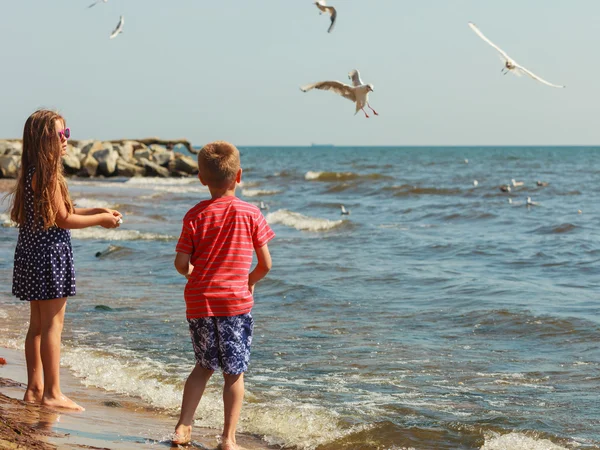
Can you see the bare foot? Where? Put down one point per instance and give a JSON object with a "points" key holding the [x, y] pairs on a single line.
{"points": [[228, 444], [183, 435], [33, 396], [62, 402]]}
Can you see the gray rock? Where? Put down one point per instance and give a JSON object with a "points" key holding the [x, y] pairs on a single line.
{"points": [[142, 153], [89, 166], [153, 169], [157, 148], [83, 143], [91, 146], [11, 148], [182, 163], [162, 157], [9, 166], [71, 163], [107, 161], [125, 150], [127, 169]]}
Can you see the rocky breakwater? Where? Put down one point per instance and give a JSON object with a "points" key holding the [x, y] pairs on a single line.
{"points": [[124, 158]]}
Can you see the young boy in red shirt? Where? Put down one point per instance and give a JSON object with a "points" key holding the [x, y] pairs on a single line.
{"points": [[214, 253]]}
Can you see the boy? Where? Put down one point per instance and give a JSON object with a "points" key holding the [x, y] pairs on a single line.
{"points": [[214, 253]]}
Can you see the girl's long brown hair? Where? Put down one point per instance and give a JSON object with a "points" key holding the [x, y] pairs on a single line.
{"points": [[42, 150]]}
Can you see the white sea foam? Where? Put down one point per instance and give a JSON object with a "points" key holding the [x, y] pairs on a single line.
{"points": [[310, 175], [518, 441], [301, 222], [258, 192], [181, 189], [169, 185], [281, 422], [155, 181], [91, 203], [119, 235], [5, 221]]}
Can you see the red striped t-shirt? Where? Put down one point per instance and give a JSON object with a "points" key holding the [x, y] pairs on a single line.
{"points": [[220, 236]]}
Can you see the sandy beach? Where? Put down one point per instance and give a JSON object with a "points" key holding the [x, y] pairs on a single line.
{"points": [[110, 421]]}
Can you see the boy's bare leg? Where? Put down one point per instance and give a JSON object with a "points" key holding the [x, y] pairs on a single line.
{"points": [[233, 397], [52, 313], [35, 374], [192, 393]]}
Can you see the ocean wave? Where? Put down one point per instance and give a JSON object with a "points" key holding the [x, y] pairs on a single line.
{"points": [[105, 234], [556, 229], [409, 189], [5, 221], [155, 181], [169, 185], [518, 441], [180, 189], [91, 203], [258, 192], [342, 176], [280, 421], [301, 222]]}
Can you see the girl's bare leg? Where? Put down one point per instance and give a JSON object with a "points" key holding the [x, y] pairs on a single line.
{"points": [[52, 313], [192, 393], [233, 397], [35, 374]]}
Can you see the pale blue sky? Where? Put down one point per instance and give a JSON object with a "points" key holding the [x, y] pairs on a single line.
{"points": [[231, 69]]}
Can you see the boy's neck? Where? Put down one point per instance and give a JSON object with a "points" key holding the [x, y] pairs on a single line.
{"points": [[219, 193]]}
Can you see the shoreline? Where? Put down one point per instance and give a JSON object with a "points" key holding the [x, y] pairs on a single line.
{"points": [[111, 421]]}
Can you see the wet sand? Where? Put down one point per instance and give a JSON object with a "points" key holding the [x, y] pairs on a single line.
{"points": [[110, 421]]}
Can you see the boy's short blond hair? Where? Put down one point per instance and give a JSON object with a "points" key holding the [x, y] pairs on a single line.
{"points": [[218, 163]]}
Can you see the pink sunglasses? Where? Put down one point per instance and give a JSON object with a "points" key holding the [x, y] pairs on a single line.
{"points": [[66, 133]]}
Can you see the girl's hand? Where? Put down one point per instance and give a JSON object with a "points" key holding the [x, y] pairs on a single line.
{"points": [[251, 288], [109, 220], [114, 212]]}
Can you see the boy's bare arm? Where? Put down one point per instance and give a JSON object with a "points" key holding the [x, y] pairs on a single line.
{"points": [[182, 264], [262, 268]]}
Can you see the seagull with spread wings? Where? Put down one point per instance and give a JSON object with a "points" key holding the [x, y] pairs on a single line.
{"points": [[96, 2], [510, 65], [321, 4], [357, 93], [119, 29]]}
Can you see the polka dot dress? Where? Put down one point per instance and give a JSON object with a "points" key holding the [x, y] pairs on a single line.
{"points": [[43, 268]]}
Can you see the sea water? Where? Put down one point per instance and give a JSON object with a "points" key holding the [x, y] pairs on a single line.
{"points": [[436, 315]]}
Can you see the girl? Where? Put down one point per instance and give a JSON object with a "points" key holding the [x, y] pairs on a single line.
{"points": [[43, 269]]}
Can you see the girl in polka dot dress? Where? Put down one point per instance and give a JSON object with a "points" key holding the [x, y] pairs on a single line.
{"points": [[43, 271]]}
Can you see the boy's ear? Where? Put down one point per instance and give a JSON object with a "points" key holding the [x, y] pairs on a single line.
{"points": [[238, 176], [201, 180]]}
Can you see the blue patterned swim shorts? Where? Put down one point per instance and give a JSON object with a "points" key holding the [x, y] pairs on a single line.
{"points": [[222, 342]]}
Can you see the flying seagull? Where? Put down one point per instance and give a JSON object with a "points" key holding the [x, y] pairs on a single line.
{"points": [[321, 4], [510, 65], [357, 93], [96, 2], [118, 29]]}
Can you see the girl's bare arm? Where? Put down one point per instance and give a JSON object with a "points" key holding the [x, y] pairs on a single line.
{"points": [[76, 221], [92, 211]]}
